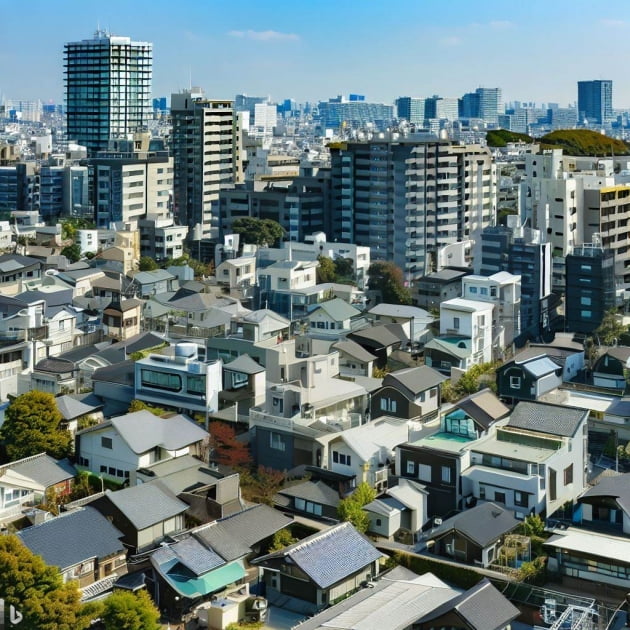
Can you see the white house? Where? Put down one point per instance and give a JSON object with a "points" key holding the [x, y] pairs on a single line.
{"points": [[237, 272], [534, 462], [472, 319], [115, 448], [414, 320]]}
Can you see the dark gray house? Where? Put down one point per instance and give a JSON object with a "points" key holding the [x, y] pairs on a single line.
{"points": [[528, 378]]}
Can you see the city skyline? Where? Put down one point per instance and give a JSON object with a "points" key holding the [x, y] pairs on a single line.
{"points": [[533, 53]]}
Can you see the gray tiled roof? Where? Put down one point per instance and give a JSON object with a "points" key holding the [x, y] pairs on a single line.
{"points": [[482, 524], [44, 469], [331, 555], [416, 379], [244, 364], [226, 543], [72, 538], [483, 407], [483, 607], [192, 554], [315, 491], [143, 431], [552, 419], [71, 408], [354, 350], [337, 309], [617, 487], [147, 504], [255, 524]]}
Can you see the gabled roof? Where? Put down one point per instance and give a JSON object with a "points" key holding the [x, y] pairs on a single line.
{"points": [[483, 407], [621, 353], [265, 315], [415, 379], [73, 537], [336, 309], [539, 367], [147, 504], [545, 418], [354, 350], [329, 556], [13, 262], [245, 365], [222, 540], [376, 336], [157, 275], [401, 310], [71, 408], [122, 373], [256, 523], [143, 431], [42, 469], [385, 506], [375, 439], [482, 524], [617, 487], [482, 607], [315, 491], [458, 347]]}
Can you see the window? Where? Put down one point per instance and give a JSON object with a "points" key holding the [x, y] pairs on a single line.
{"points": [[106, 442], [196, 384], [568, 475], [411, 468], [456, 323], [521, 499], [586, 268], [515, 382], [482, 491], [424, 472], [111, 471], [473, 289], [103, 469], [161, 380], [483, 291], [585, 301], [446, 474], [277, 442], [378, 522], [499, 497], [388, 404], [278, 404], [341, 458], [586, 314]]}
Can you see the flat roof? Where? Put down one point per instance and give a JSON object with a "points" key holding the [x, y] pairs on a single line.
{"points": [[444, 442], [600, 545], [512, 450]]}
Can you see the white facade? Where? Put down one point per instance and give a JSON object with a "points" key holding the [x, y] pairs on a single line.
{"points": [[265, 119], [469, 318], [88, 241]]}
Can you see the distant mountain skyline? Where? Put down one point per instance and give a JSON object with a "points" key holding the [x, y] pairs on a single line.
{"points": [[536, 51]]}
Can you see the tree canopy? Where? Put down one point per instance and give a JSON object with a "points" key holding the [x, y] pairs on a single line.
{"points": [[131, 611], [386, 277], [146, 263], [37, 591], [31, 426], [351, 508], [326, 271], [610, 329], [225, 447], [255, 231], [72, 252]]}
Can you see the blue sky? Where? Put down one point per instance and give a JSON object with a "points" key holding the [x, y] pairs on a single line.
{"points": [[533, 50]]}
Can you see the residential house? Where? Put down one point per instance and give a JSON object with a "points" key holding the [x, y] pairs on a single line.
{"points": [[412, 393], [24, 482], [406, 600], [115, 386], [209, 559], [121, 445], [400, 512], [606, 505], [145, 514], [237, 272], [122, 319], [354, 360], [414, 320], [148, 283], [465, 335], [611, 367], [77, 407], [528, 377], [55, 376], [380, 341], [438, 457], [84, 545], [322, 569], [433, 289], [244, 384], [15, 270], [474, 536], [533, 463], [179, 381], [332, 318], [367, 451]]}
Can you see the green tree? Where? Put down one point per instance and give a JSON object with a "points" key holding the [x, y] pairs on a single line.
{"points": [[72, 252], [344, 268], [351, 508], [131, 611], [140, 405], [610, 329], [533, 525], [265, 232], [31, 426], [146, 263], [386, 277], [326, 270], [38, 591], [281, 539]]}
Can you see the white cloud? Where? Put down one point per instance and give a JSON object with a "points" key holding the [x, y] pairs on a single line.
{"points": [[265, 36], [613, 22], [500, 24], [451, 41]]}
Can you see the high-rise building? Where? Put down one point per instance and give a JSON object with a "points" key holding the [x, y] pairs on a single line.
{"points": [[590, 286], [108, 88], [206, 141], [410, 109], [338, 113], [405, 198], [595, 101]]}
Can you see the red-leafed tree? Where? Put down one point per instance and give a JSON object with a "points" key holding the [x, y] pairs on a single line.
{"points": [[225, 448]]}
